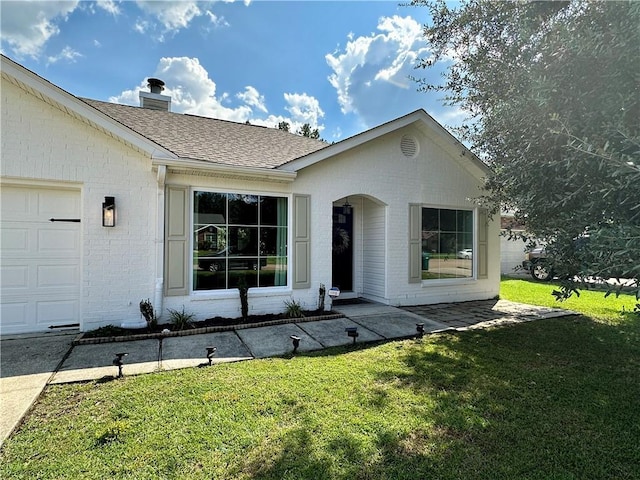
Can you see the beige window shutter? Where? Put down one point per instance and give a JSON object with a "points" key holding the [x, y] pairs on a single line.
{"points": [[176, 241], [483, 223], [415, 243], [301, 241]]}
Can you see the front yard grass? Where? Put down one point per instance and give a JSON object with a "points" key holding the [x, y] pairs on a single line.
{"points": [[551, 399], [591, 303]]}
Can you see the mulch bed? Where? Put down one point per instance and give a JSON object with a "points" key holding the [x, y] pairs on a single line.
{"points": [[112, 333]]}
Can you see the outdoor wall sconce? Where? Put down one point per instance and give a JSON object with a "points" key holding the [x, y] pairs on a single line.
{"points": [[296, 342], [420, 330], [352, 332], [346, 207], [211, 351], [118, 362], [109, 212]]}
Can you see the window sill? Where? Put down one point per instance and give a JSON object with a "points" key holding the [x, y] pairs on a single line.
{"points": [[254, 292], [448, 281]]}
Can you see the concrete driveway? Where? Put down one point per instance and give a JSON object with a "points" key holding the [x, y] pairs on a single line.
{"points": [[27, 363]]}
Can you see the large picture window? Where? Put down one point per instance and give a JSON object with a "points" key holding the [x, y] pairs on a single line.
{"points": [[238, 236], [447, 243]]}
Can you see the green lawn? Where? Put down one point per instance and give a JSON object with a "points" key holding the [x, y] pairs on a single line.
{"points": [[590, 302], [552, 399]]}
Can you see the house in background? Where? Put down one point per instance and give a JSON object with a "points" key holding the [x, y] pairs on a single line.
{"points": [[197, 204], [512, 252]]}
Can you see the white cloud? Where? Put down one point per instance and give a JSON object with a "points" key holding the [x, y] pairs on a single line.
{"points": [[217, 21], [252, 97], [451, 117], [172, 15], [27, 26], [304, 109], [67, 53], [371, 74], [192, 91], [141, 26], [109, 6]]}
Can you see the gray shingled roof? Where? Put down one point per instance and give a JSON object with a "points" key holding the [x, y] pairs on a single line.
{"points": [[212, 140]]}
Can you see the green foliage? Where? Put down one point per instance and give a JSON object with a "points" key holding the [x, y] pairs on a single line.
{"points": [[552, 91], [181, 319], [293, 309], [146, 309], [114, 431], [306, 131], [243, 290], [284, 126]]}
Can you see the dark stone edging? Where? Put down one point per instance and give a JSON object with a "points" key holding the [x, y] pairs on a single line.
{"points": [[196, 331]]}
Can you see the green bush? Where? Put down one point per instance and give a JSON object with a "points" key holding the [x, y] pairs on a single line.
{"points": [[181, 319], [293, 309]]}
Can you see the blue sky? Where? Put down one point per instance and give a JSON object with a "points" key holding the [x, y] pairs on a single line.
{"points": [[341, 66]]}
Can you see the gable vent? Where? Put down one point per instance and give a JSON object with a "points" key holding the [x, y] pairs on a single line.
{"points": [[409, 146]]}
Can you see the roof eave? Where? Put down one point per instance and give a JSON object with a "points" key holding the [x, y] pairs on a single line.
{"points": [[385, 128], [194, 167]]}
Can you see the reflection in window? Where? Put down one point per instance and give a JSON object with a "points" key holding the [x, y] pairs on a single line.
{"points": [[239, 236], [447, 243]]}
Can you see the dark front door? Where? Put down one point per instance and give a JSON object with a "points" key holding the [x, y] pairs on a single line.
{"points": [[342, 269]]}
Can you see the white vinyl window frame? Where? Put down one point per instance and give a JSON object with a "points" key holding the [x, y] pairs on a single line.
{"points": [[232, 292], [479, 246]]}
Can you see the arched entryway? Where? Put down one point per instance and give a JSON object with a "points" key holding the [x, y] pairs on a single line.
{"points": [[359, 247]]}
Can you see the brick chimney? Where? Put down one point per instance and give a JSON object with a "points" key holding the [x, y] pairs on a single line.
{"points": [[154, 100]]}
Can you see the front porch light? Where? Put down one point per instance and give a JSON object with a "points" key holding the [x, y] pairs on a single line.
{"points": [[346, 207], [109, 212]]}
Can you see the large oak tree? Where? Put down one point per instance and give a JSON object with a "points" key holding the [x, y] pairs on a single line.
{"points": [[553, 95]]}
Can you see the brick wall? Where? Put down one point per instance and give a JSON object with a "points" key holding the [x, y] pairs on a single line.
{"points": [[379, 171], [40, 143], [44, 146]]}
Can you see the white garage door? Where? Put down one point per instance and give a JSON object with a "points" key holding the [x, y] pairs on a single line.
{"points": [[39, 259]]}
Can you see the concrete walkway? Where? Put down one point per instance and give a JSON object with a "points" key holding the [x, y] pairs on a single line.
{"points": [[29, 363]]}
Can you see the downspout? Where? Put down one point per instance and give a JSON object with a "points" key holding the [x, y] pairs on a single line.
{"points": [[159, 297]]}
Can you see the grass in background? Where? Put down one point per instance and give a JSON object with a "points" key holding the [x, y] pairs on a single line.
{"points": [[591, 303], [555, 398]]}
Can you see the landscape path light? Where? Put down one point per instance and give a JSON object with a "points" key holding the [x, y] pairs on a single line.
{"points": [[211, 351], [296, 342], [118, 362], [352, 332]]}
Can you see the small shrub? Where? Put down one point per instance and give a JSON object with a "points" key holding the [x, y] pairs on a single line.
{"points": [[293, 309], [146, 309], [244, 298], [106, 331], [181, 319], [321, 295]]}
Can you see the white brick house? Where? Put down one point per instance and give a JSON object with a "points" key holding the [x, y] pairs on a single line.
{"points": [[200, 203]]}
